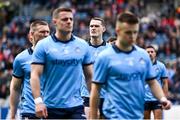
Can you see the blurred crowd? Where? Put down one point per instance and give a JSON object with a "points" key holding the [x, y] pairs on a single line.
{"points": [[160, 26]]}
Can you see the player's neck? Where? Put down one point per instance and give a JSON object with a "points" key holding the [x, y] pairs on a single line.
{"points": [[153, 61], [63, 36], [96, 41], [123, 47], [33, 47]]}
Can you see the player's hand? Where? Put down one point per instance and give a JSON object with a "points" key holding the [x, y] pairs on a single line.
{"points": [[41, 110], [166, 104]]}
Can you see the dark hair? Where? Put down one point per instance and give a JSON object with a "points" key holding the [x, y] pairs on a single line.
{"points": [[151, 46], [100, 19], [111, 39], [37, 22], [58, 10], [151, 28], [128, 17]]}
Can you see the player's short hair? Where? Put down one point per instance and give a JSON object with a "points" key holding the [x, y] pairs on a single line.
{"points": [[100, 19], [111, 39], [151, 46], [58, 10], [35, 23], [127, 17]]}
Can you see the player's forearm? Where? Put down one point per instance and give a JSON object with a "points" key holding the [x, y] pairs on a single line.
{"points": [[165, 87], [94, 102], [35, 86], [88, 75], [14, 100], [36, 71], [156, 89]]}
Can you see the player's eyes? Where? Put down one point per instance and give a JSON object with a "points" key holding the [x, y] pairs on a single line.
{"points": [[94, 25], [66, 19]]}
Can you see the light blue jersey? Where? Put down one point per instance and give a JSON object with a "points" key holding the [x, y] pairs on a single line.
{"points": [[124, 74], [95, 51], [62, 73], [161, 74], [21, 70]]}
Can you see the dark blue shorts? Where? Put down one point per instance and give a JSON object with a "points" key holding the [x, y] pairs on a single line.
{"points": [[152, 105], [28, 115], [66, 113], [86, 104]]}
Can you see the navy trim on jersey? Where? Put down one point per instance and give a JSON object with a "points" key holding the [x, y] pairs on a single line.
{"points": [[30, 50], [55, 39], [98, 83], [117, 50], [96, 46], [150, 79], [88, 64], [37, 63], [164, 77], [18, 76], [155, 62]]}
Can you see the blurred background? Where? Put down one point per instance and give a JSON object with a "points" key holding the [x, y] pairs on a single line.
{"points": [[160, 26]]}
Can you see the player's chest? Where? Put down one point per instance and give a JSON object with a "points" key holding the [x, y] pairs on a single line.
{"points": [[127, 64], [65, 52]]}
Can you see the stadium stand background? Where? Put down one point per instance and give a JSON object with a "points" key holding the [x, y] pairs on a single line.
{"points": [[160, 25]]}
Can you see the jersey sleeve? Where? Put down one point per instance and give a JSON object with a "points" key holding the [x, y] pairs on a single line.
{"points": [[17, 69], [39, 54], [150, 71], [88, 59], [100, 69], [164, 74]]}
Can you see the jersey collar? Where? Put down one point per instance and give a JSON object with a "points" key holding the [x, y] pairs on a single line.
{"points": [[55, 39], [116, 49], [155, 62], [30, 51], [96, 46]]}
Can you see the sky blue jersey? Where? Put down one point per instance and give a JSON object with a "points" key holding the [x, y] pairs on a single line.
{"points": [[124, 75], [63, 61], [95, 50], [21, 70], [161, 74]]}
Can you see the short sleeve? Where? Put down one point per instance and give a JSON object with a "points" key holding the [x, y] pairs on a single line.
{"points": [[17, 69], [100, 69], [39, 54], [88, 58]]}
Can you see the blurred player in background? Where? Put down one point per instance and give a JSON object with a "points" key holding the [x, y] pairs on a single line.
{"points": [[151, 103], [123, 69], [97, 44], [60, 59], [20, 83]]}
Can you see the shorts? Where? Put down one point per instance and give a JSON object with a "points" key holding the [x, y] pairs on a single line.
{"points": [[86, 104], [152, 105], [66, 113], [29, 116]]}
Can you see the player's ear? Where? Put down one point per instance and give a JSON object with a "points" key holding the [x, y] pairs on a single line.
{"points": [[54, 21], [117, 30], [104, 29]]}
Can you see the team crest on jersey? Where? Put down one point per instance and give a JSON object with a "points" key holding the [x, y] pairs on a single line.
{"points": [[142, 61], [54, 50], [77, 49], [66, 51], [157, 70], [130, 61]]}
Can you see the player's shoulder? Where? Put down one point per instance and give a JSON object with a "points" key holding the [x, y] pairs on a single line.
{"points": [[80, 40], [141, 51], [45, 40], [22, 55], [160, 63], [107, 52]]}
